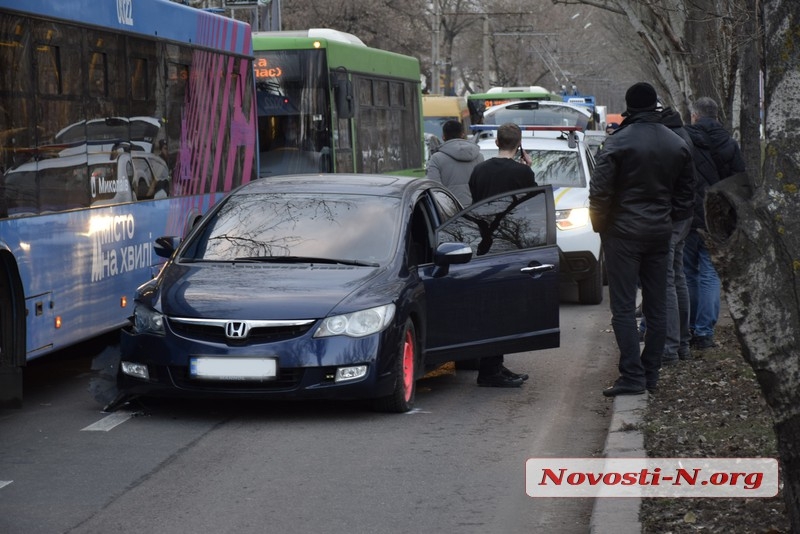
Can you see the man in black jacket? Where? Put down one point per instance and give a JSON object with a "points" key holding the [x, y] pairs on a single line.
{"points": [[642, 183], [492, 177], [678, 337], [717, 156]]}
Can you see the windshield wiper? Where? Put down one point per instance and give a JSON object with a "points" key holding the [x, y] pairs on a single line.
{"points": [[306, 259]]}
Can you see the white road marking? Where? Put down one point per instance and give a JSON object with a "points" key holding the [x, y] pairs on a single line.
{"points": [[415, 411], [110, 421], [4, 483]]}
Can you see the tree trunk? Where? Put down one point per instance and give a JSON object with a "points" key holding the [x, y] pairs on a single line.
{"points": [[754, 227], [751, 62]]}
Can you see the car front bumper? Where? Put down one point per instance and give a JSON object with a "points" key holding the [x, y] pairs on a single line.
{"points": [[306, 367]]}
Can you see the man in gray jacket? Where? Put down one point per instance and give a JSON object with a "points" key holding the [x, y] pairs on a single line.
{"points": [[452, 164]]}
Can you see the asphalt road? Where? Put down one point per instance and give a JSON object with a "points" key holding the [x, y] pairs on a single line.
{"points": [[455, 464]]}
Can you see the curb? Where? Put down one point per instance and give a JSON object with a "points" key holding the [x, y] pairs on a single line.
{"points": [[620, 515]]}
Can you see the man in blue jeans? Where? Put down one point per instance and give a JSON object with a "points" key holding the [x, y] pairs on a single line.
{"points": [[717, 156], [704, 291], [642, 183]]}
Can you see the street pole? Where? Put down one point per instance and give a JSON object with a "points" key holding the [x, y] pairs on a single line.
{"points": [[485, 52], [435, 87]]}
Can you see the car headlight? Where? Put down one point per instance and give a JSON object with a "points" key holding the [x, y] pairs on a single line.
{"points": [[357, 324], [147, 321], [571, 219]]}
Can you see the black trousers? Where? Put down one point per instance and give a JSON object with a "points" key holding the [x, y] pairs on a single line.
{"points": [[490, 365], [628, 263]]}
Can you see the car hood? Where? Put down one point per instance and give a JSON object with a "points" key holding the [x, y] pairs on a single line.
{"points": [[571, 197], [259, 291]]}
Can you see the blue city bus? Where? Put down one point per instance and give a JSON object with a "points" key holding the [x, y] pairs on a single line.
{"points": [[120, 121]]}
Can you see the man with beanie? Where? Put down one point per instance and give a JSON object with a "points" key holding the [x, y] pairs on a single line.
{"points": [[452, 163], [642, 184]]}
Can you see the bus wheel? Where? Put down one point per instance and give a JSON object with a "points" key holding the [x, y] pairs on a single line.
{"points": [[10, 342]]}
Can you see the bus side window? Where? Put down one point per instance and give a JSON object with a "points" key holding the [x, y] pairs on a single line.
{"points": [[19, 193], [63, 189]]}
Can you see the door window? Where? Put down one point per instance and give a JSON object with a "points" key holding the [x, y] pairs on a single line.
{"points": [[503, 224]]}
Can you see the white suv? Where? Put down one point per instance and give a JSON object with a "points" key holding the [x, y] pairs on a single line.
{"points": [[561, 158]]}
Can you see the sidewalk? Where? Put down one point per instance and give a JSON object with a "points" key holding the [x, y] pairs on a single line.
{"points": [[626, 440]]}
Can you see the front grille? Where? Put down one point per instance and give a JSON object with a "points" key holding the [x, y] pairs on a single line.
{"points": [[214, 332]]}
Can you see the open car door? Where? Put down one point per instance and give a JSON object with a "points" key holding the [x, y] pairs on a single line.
{"points": [[506, 298]]}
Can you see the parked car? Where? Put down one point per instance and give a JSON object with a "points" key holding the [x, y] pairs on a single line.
{"points": [[342, 287], [560, 158]]}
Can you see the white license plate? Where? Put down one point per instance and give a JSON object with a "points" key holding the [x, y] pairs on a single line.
{"points": [[233, 368]]}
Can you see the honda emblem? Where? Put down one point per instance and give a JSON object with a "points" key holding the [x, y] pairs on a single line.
{"points": [[236, 330]]}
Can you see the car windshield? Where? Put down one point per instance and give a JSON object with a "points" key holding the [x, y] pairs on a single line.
{"points": [[559, 168], [354, 229]]}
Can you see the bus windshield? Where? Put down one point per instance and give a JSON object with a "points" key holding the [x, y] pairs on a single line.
{"points": [[293, 112], [328, 103]]}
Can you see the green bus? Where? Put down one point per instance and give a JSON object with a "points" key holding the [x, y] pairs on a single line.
{"points": [[327, 103]]}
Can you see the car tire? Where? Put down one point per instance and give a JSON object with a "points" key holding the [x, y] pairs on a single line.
{"points": [[401, 399], [590, 289]]}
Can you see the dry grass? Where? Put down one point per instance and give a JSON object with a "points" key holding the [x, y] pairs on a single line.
{"points": [[711, 407]]}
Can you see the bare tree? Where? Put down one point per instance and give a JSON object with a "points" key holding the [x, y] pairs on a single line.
{"points": [[488, 42], [694, 46], [755, 225]]}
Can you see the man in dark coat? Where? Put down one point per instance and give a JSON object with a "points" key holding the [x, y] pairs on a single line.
{"points": [[717, 156], [642, 183], [678, 337]]}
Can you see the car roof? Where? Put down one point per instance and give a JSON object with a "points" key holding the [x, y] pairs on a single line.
{"points": [[354, 184], [542, 104]]}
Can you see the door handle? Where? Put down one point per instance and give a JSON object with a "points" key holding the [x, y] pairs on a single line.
{"points": [[538, 269]]}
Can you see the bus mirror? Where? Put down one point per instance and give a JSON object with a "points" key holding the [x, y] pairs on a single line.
{"points": [[343, 94]]}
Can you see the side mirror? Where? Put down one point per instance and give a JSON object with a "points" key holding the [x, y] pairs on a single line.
{"points": [[447, 254], [452, 254]]}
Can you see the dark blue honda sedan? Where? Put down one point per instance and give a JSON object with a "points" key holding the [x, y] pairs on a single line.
{"points": [[342, 286]]}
